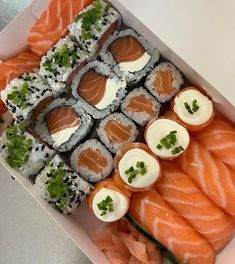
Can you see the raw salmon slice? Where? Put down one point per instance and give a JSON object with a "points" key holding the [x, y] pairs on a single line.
{"points": [[163, 82], [219, 139], [185, 197], [164, 224], [210, 174], [140, 103], [53, 23]]}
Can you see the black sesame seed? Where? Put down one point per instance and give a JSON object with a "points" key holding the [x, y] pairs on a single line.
{"points": [[50, 76], [52, 164], [38, 97], [47, 155], [7, 102], [21, 118], [46, 76], [48, 175], [96, 38], [13, 109], [81, 192], [37, 149], [56, 81], [104, 23], [34, 78], [46, 182], [43, 147], [30, 148], [3, 146], [74, 177], [88, 43]]}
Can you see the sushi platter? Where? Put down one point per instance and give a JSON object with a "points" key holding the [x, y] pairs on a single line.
{"points": [[123, 144]]}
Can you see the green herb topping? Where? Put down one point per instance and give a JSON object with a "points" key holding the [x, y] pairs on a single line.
{"points": [[90, 19], [63, 58], [56, 187], [106, 205], [194, 108], [141, 169], [18, 146], [18, 97], [27, 78], [169, 142]]}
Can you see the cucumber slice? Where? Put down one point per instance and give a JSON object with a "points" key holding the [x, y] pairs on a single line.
{"points": [[167, 254]]}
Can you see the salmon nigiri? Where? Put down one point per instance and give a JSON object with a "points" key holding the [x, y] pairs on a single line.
{"points": [[53, 23], [219, 139], [170, 229], [185, 197], [210, 174], [12, 68]]}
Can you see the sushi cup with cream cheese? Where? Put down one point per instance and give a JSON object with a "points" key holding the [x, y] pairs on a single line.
{"points": [[166, 138], [193, 109], [136, 167], [109, 201]]}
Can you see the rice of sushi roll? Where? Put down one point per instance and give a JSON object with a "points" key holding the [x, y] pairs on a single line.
{"points": [[130, 54], [164, 81], [61, 62], [92, 160], [94, 25], [26, 96], [22, 151], [116, 130], [60, 186], [98, 89], [63, 124], [140, 106]]}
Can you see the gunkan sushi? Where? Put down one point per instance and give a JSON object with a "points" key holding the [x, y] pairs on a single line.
{"points": [[92, 160], [94, 25], [116, 130], [164, 81], [61, 186], [61, 62], [63, 124], [22, 151], [26, 96], [130, 54], [98, 89], [140, 106]]}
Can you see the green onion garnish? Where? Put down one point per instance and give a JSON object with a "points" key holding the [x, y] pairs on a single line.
{"points": [[177, 150], [18, 146], [90, 19], [194, 108], [141, 168], [106, 205]]}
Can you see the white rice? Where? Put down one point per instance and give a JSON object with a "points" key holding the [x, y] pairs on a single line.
{"points": [[85, 172], [143, 117], [122, 119], [38, 90], [177, 81], [85, 125], [132, 78], [77, 188], [103, 69]]}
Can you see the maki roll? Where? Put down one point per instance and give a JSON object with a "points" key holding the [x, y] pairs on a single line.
{"points": [[61, 186], [164, 81], [63, 124], [26, 96], [140, 106], [22, 151], [116, 130], [92, 160], [98, 89], [94, 25], [130, 54], [61, 62]]}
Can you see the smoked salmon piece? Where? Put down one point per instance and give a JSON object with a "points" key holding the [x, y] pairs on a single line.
{"points": [[184, 196], [53, 24], [12, 68], [210, 174], [122, 244], [170, 229], [219, 139]]}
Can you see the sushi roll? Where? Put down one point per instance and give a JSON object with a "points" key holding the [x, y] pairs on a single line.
{"points": [[98, 89], [109, 201], [140, 106], [26, 96], [61, 186], [61, 62], [166, 138], [116, 130], [92, 160], [130, 54], [94, 25], [136, 167], [22, 151], [63, 124], [164, 81], [193, 109]]}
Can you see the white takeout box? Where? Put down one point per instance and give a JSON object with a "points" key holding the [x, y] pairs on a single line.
{"points": [[183, 34]]}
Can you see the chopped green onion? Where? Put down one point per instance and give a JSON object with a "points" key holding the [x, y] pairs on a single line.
{"points": [[168, 141], [107, 7], [177, 150], [132, 173], [194, 109], [106, 205], [159, 146], [195, 106]]}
